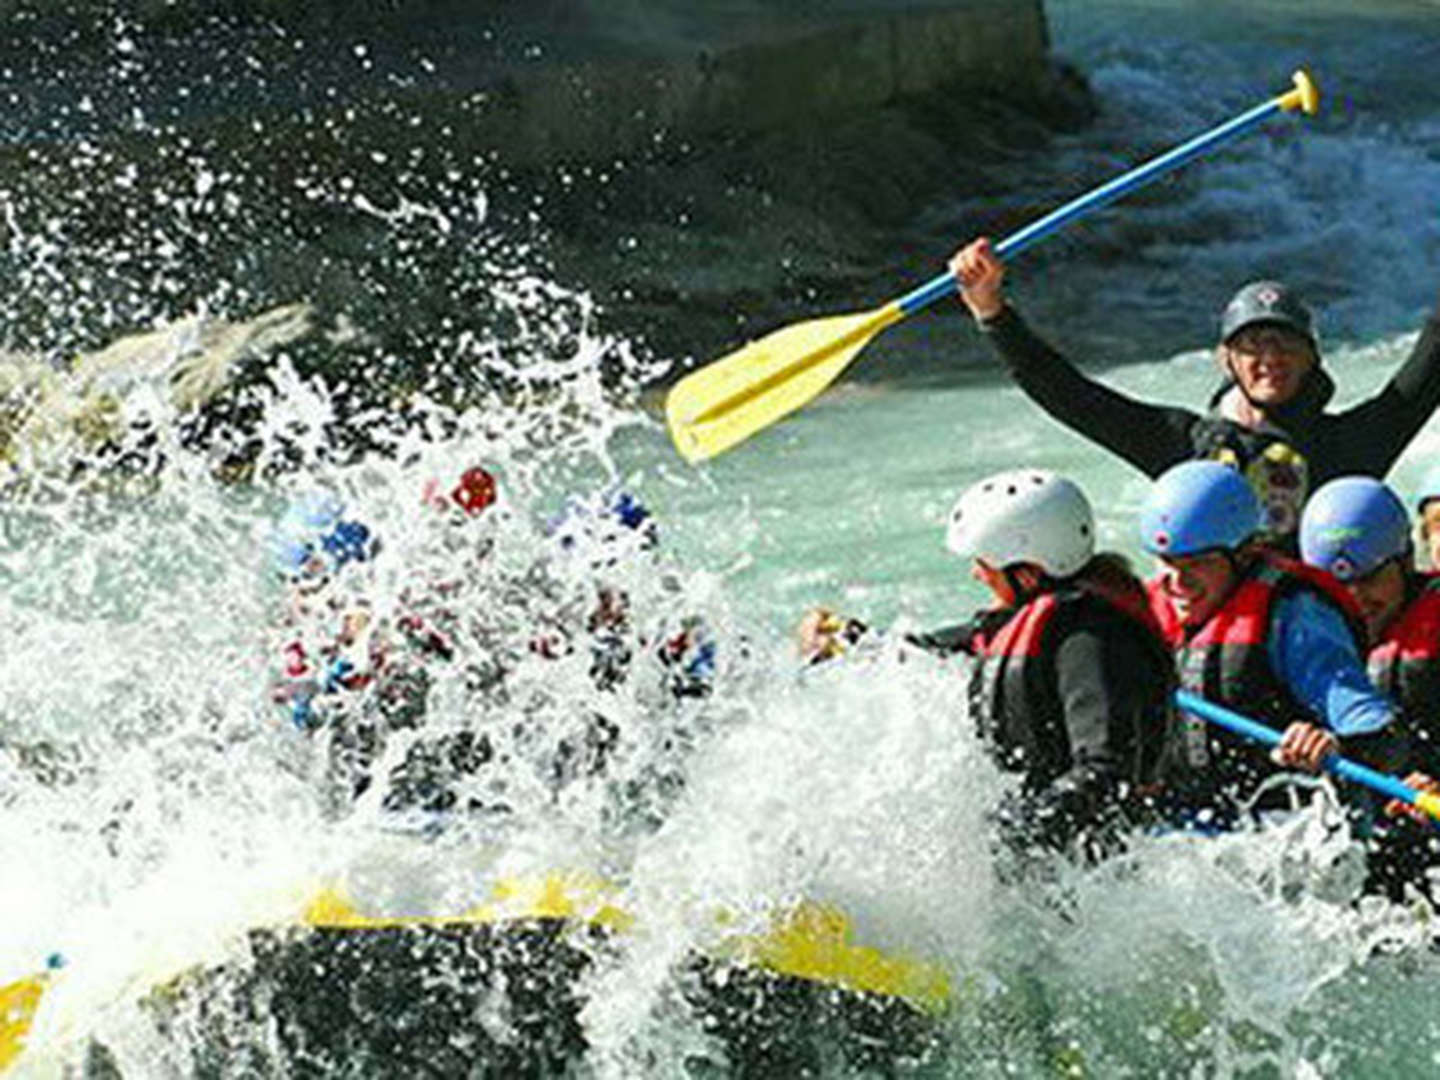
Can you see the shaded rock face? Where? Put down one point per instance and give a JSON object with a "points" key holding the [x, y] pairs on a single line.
{"points": [[707, 242], [702, 172]]}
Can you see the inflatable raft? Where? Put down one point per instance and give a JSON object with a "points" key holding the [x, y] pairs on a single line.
{"points": [[497, 991]]}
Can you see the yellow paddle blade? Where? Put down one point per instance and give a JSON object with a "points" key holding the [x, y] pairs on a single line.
{"points": [[18, 1002], [726, 402]]}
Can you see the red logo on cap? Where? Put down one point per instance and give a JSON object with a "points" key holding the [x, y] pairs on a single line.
{"points": [[1267, 297]]}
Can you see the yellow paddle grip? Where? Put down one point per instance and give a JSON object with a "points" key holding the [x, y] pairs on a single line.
{"points": [[1429, 801], [1305, 96]]}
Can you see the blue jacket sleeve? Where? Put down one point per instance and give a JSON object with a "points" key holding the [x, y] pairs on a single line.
{"points": [[1314, 653]]}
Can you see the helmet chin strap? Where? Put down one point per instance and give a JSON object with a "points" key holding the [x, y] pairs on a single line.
{"points": [[1017, 584], [1012, 579]]}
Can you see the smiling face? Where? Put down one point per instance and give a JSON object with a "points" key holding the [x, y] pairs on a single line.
{"points": [[1197, 585], [1268, 362], [1380, 595]]}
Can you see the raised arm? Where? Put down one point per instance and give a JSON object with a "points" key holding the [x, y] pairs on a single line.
{"points": [[1380, 429], [1150, 437]]}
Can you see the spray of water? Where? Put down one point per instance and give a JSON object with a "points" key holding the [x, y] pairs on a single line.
{"points": [[233, 292]]}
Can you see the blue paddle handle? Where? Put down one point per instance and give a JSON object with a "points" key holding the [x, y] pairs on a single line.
{"points": [[1343, 767], [1106, 193]]}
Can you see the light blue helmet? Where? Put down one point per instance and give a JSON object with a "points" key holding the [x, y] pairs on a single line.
{"points": [[313, 531], [1352, 526], [1429, 487], [1198, 506], [606, 525]]}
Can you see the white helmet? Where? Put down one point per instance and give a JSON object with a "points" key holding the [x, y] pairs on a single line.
{"points": [[1027, 515]]}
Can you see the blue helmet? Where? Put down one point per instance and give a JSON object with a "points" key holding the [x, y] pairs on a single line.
{"points": [[1198, 506], [1429, 487], [630, 511], [1352, 526], [314, 525], [615, 520]]}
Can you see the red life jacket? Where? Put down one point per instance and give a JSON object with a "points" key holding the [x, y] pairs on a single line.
{"points": [[1014, 696], [1019, 635], [1405, 663], [1227, 659]]}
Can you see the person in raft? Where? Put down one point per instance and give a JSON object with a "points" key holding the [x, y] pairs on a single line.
{"points": [[313, 543], [593, 538], [1267, 419], [1357, 529], [1071, 681], [1427, 516], [1262, 634], [345, 668]]}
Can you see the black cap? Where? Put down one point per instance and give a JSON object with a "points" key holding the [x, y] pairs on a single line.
{"points": [[1267, 302]]}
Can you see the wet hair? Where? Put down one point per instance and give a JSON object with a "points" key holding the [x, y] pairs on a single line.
{"points": [[1109, 568]]}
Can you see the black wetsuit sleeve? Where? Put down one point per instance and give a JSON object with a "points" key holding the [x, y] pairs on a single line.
{"points": [[1370, 436], [947, 642], [1104, 694], [963, 638], [1150, 437], [1105, 682]]}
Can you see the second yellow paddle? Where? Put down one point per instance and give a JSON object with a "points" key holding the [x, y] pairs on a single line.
{"points": [[727, 401]]}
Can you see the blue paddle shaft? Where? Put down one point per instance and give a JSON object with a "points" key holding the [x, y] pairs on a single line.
{"points": [[1106, 193], [1262, 733]]}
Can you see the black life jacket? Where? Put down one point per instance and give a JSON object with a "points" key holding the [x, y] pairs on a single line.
{"points": [[1276, 460], [1280, 474], [1014, 694]]}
